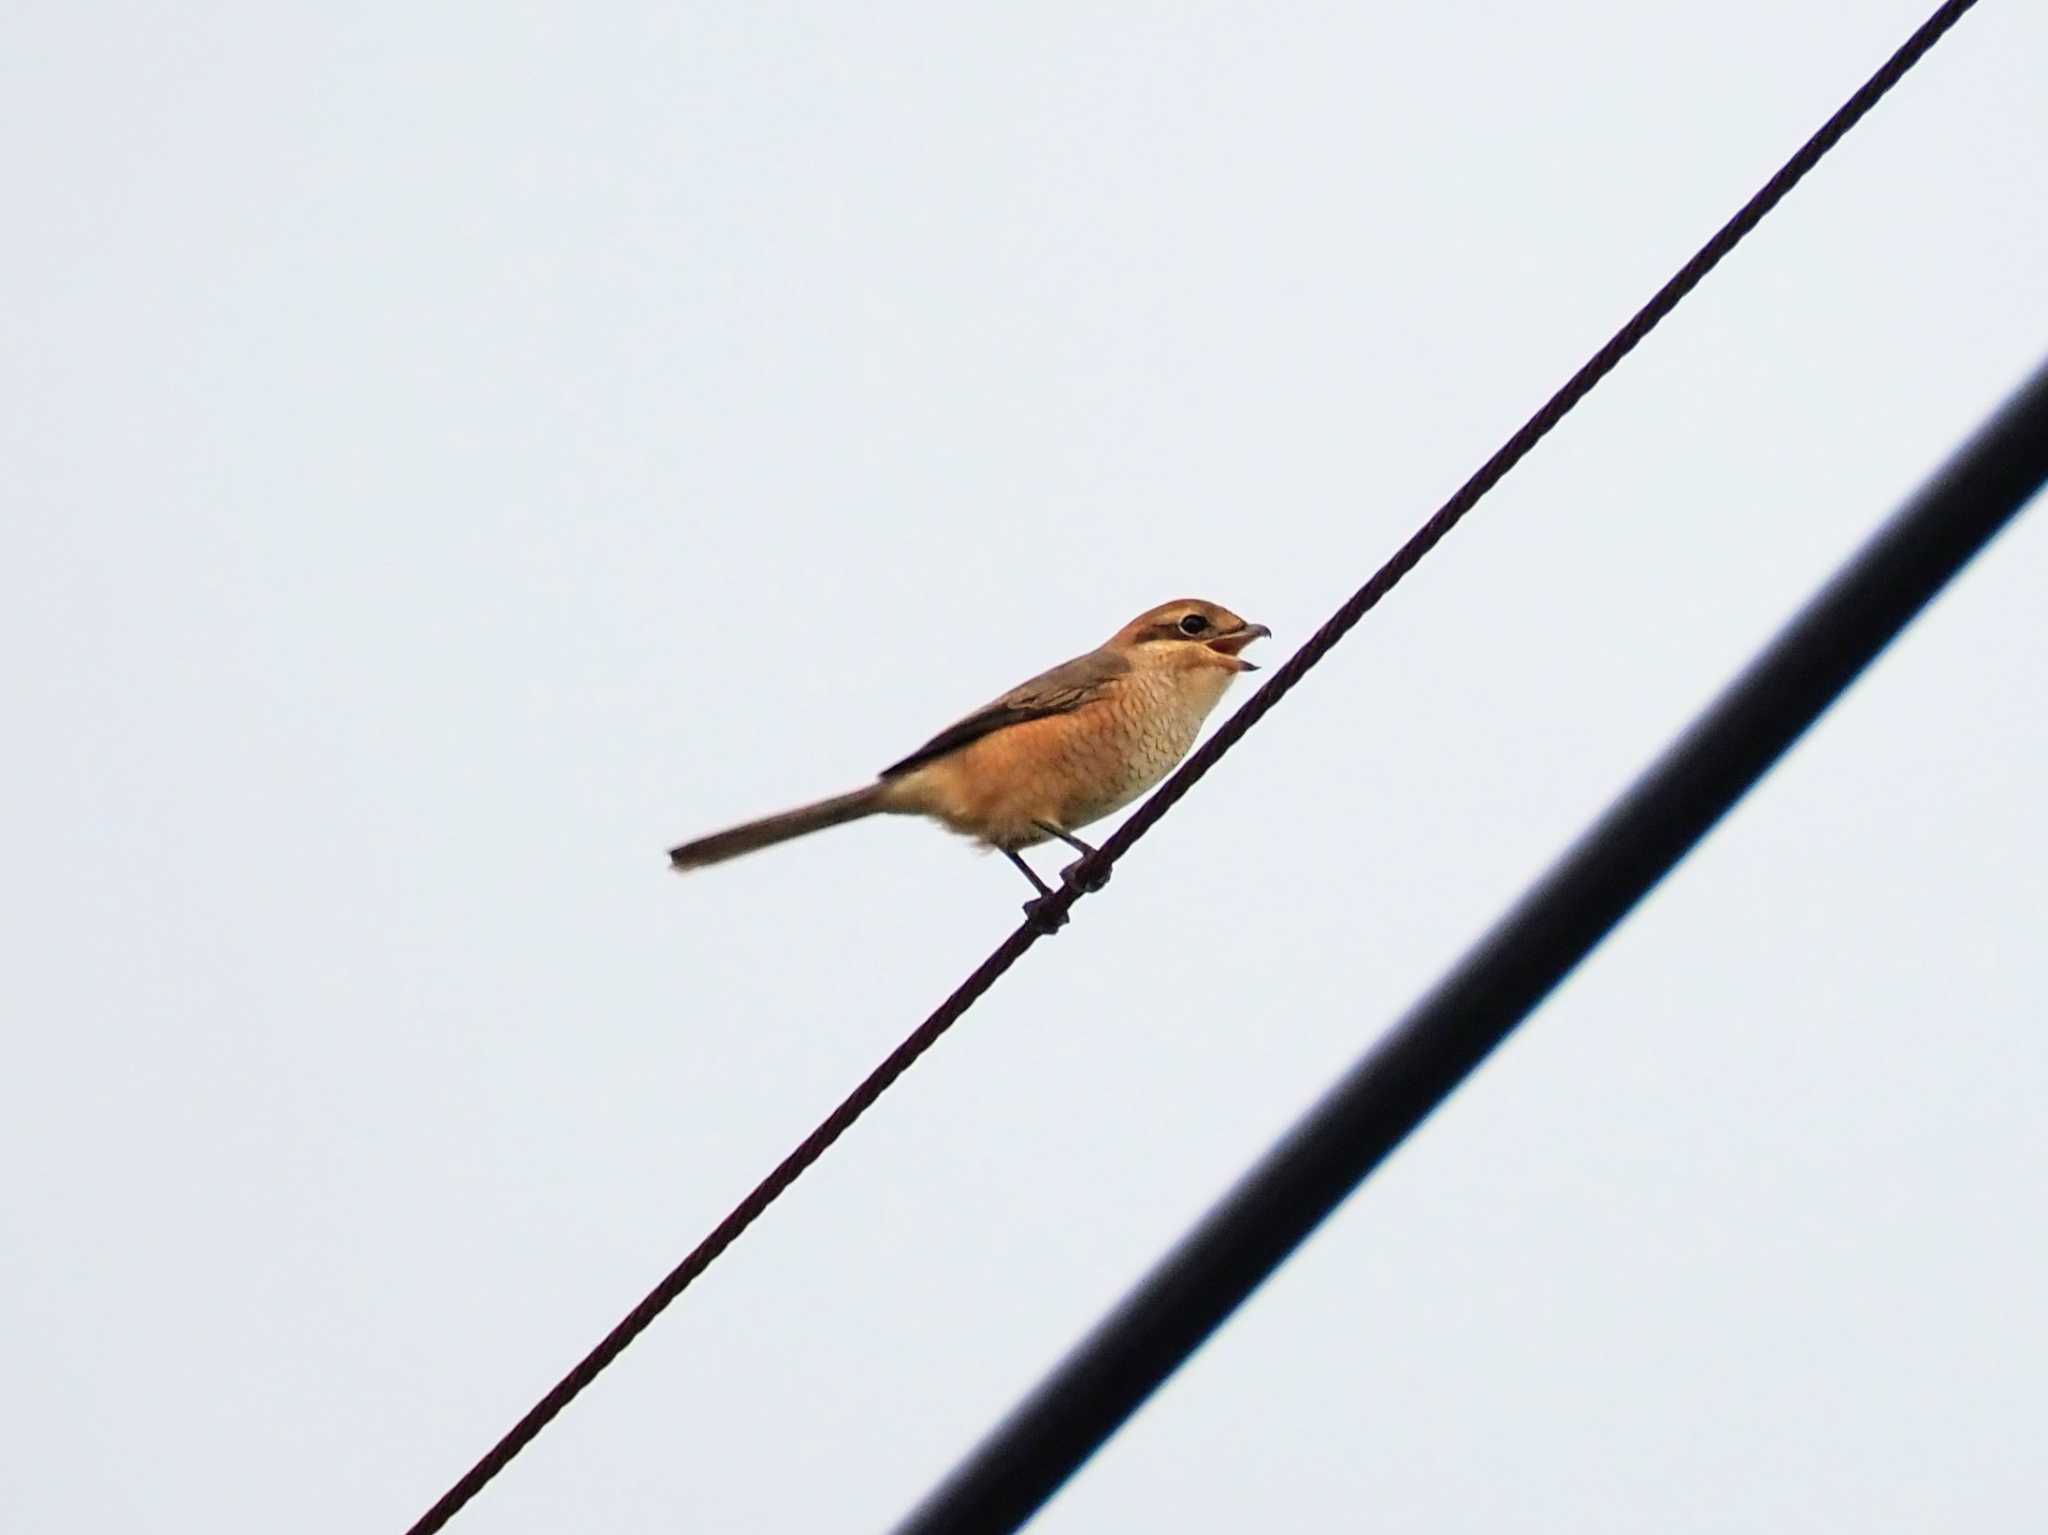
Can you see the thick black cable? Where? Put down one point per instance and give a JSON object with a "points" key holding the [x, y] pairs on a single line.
{"points": [[1277, 686], [1440, 1041]]}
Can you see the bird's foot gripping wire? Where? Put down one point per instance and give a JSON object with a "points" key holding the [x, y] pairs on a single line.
{"points": [[1079, 873], [1039, 910], [1085, 874]]}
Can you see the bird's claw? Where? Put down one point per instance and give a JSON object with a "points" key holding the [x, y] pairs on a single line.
{"points": [[1085, 874], [1041, 913]]}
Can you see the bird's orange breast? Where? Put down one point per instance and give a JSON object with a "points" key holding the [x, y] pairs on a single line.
{"points": [[1066, 769]]}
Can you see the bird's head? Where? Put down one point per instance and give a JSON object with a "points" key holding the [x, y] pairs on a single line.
{"points": [[1189, 633]]}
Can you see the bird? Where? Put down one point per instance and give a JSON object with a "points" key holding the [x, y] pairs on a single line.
{"points": [[1048, 757]]}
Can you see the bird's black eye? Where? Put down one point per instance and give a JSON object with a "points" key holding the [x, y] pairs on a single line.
{"points": [[1194, 623]]}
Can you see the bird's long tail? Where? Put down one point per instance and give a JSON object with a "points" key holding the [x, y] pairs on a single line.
{"points": [[772, 829]]}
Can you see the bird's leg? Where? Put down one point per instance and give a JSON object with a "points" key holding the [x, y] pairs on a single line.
{"points": [[1045, 920], [1096, 879]]}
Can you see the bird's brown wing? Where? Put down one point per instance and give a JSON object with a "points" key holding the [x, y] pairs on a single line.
{"points": [[1066, 687]]}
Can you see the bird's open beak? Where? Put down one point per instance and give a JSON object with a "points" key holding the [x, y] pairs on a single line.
{"points": [[1235, 641]]}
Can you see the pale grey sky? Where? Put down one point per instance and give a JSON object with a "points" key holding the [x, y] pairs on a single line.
{"points": [[455, 452]]}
